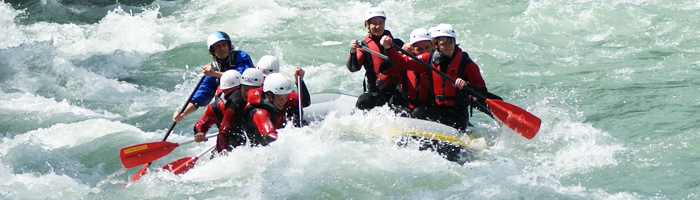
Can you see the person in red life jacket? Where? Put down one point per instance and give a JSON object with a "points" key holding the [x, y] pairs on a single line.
{"points": [[222, 112], [268, 107], [450, 102], [417, 85], [225, 57], [232, 135], [380, 86]]}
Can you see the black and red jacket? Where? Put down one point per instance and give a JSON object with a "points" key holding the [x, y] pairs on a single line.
{"points": [[376, 78], [263, 119], [225, 113]]}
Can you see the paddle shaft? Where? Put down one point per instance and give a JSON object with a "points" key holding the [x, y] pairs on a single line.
{"points": [[365, 48], [142, 171], [191, 141], [184, 107], [182, 165], [301, 114], [205, 151]]}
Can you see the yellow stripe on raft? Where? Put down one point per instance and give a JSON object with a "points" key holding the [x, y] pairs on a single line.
{"points": [[464, 140]]}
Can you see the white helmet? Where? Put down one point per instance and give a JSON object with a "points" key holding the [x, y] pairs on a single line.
{"points": [[419, 34], [268, 64], [231, 78], [443, 30], [374, 12], [252, 77], [278, 84], [216, 37]]}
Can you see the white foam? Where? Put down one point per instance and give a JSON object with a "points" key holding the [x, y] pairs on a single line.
{"points": [[10, 34], [47, 186], [27, 103], [68, 135], [306, 158]]}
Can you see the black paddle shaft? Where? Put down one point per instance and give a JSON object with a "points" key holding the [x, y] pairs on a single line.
{"points": [[184, 107]]}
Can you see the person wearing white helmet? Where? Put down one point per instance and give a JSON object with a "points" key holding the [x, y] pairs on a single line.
{"points": [[380, 86], [449, 102], [272, 105], [417, 86], [222, 112], [419, 42], [250, 79], [268, 64], [225, 57], [233, 117]]}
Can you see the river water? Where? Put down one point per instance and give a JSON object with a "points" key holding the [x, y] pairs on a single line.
{"points": [[614, 82]]}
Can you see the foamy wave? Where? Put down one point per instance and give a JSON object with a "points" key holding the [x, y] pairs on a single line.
{"points": [[47, 186], [69, 135]]}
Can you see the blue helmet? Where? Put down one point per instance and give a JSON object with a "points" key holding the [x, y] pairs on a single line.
{"points": [[216, 37]]}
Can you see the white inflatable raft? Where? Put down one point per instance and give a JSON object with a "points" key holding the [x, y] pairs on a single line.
{"points": [[341, 104]]}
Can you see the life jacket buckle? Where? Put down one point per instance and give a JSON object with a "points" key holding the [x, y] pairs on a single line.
{"points": [[440, 98]]}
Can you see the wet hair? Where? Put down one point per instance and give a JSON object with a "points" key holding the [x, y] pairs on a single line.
{"points": [[435, 42]]}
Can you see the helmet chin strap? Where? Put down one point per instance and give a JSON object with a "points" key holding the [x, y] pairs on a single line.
{"points": [[227, 59]]}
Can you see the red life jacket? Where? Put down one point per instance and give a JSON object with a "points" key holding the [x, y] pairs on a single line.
{"points": [[445, 91], [373, 75], [418, 89], [263, 118], [256, 103], [213, 114]]}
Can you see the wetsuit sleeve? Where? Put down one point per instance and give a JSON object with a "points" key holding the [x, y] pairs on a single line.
{"points": [[398, 42], [243, 62], [393, 69], [293, 98], [476, 83], [305, 96], [356, 60], [473, 75], [263, 122], [207, 120], [226, 129], [205, 91], [407, 63]]}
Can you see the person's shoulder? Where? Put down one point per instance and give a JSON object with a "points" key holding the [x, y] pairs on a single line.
{"points": [[236, 97], [242, 53]]}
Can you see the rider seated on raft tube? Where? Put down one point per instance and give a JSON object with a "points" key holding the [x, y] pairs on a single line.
{"points": [[448, 104], [270, 107], [227, 109], [380, 88], [225, 57]]}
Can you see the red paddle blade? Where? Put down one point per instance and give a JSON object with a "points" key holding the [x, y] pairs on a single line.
{"points": [[521, 121], [182, 165], [140, 154], [141, 172]]}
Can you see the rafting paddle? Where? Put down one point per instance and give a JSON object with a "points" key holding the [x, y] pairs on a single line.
{"points": [[516, 118], [182, 165], [142, 171], [139, 154], [301, 114]]}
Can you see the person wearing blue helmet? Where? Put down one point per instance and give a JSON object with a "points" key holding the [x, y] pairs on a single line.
{"points": [[225, 57]]}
